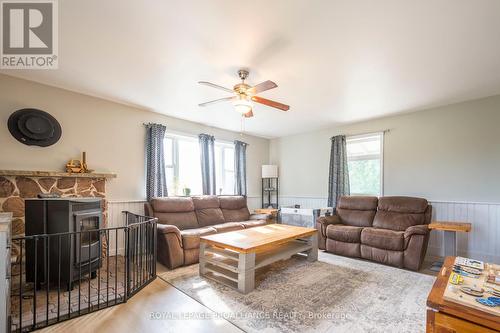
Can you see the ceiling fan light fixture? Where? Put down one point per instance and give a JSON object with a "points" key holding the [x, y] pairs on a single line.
{"points": [[242, 105]]}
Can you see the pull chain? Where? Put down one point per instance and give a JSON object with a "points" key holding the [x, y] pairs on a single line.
{"points": [[242, 127]]}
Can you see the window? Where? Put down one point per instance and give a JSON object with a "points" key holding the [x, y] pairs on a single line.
{"points": [[224, 168], [182, 163], [365, 162], [183, 166]]}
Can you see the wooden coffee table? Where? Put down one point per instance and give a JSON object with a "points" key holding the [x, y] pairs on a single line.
{"points": [[445, 316], [231, 258]]}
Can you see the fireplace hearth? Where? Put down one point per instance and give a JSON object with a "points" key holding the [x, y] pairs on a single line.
{"points": [[63, 259]]}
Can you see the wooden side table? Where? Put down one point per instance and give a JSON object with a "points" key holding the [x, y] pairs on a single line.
{"points": [[272, 211], [450, 237]]}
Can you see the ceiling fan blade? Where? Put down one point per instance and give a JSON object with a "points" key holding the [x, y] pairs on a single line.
{"points": [[270, 103], [217, 101], [263, 86], [249, 114], [216, 86]]}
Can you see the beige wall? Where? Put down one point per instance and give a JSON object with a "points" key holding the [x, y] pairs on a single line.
{"points": [[112, 135], [446, 153]]}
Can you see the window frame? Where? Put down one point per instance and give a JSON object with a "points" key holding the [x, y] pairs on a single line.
{"points": [[223, 145], [176, 136], [381, 135]]}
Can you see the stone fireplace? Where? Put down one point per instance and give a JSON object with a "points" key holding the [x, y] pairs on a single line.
{"points": [[15, 186]]}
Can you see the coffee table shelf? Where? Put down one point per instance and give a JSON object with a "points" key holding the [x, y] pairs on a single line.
{"points": [[281, 252], [231, 258]]}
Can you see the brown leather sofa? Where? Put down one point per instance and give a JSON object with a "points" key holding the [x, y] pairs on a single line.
{"points": [[182, 220], [389, 230]]}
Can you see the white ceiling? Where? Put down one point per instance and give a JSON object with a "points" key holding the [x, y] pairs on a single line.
{"points": [[334, 61]]}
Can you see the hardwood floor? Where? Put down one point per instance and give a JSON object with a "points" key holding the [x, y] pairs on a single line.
{"points": [[135, 315]]}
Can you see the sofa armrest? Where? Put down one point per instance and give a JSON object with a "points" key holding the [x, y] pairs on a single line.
{"points": [[266, 217], [327, 220], [421, 229], [321, 224], [169, 246], [168, 228], [148, 209]]}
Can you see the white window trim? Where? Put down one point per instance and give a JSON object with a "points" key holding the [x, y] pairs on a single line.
{"points": [[367, 157]]}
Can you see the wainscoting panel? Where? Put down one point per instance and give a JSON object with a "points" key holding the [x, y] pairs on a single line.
{"points": [[483, 242], [117, 219]]}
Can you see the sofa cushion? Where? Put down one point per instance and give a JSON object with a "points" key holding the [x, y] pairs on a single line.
{"points": [[383, 239], [253, 223], [344, 233], [356, 202], [172, 204], [232, 202], [357, 211], [191, 237], [229, 226], [403, 205], [400, 213], [182, 220], [236, 215], [206, 201], [209, 216]]}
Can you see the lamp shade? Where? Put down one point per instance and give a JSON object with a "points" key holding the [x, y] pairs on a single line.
{"points": [[269, 171]]}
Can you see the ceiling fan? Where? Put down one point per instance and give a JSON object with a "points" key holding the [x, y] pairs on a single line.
{"points": [[244, 95]]}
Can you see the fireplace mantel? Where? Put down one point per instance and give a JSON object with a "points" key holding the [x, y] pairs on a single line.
{"points": [[56, 174]]}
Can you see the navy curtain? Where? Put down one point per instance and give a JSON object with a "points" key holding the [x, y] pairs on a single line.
{"points": [[207, 157], [240, 167], [156, 181], [338, 182]]}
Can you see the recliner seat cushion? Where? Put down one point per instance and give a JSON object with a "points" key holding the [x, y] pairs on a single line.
{"points": [[383, 239], [253, 223], [400, 213], [344, 233], [229, 226], [191, 237]]}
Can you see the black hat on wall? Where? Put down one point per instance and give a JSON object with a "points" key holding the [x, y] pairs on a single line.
{"points": [[34, 127]]}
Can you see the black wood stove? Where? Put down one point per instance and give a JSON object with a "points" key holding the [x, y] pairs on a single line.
{"points": [[72, 251]]}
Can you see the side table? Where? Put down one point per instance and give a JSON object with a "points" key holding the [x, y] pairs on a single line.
{"points": [[272, 211], [450, 230]]}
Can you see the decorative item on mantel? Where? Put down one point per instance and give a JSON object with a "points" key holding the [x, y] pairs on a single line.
{"points": [[78, 166]]}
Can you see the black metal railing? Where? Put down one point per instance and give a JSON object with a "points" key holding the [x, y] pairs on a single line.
{"points": [[56, 288]]}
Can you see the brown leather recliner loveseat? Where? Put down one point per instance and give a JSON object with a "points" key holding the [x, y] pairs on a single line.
{"points": [[389, 230], [182, 220]]}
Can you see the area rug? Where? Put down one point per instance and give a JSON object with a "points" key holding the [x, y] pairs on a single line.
{"points": [[334, 294]]}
